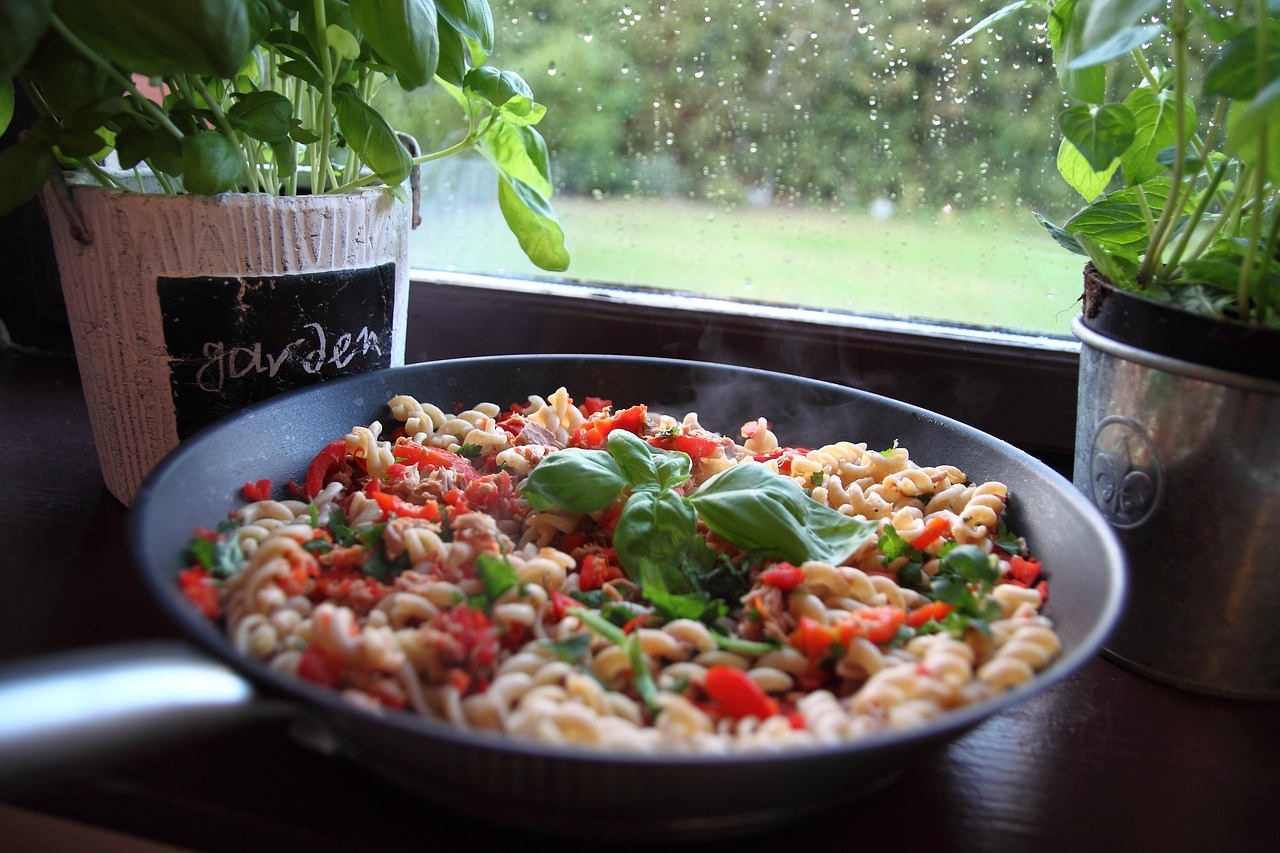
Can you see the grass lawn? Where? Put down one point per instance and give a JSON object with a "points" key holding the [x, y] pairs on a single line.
{"points": [[967, 269]]}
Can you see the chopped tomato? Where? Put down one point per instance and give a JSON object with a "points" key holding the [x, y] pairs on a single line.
{"points": [[877, 624], [934, 529], [738, 694], [695, 446], [609, 518], [595, 432], [934, 611], [257, 491], [324, 465], [595, 570], [198, 587], [391, 504], [1023, 572], [813, 638], [784, 576], [639, 621], [477, 636], [593, 405], [560, 603], [432, 458], [320, 667]]}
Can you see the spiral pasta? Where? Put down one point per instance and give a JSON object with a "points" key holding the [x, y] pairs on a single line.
{"points": [[423, 573]]}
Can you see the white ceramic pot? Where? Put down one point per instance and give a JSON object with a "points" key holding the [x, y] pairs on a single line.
{"points": [[184, 309]]}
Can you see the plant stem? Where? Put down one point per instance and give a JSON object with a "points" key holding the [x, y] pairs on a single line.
{"points": [[1249, 261], [321, 170], [1164, 229]]}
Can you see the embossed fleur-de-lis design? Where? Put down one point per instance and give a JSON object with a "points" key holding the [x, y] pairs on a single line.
{"points": [[1124, 489], [1122, 493]]}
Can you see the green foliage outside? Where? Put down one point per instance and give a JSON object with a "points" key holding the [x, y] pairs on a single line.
{"points": [[744, 109]]}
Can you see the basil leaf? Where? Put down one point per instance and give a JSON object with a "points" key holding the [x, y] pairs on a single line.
{"points": [[497, 573], [758, 510], [645, 466], [699, 605], [657, 526], [577, 480]]}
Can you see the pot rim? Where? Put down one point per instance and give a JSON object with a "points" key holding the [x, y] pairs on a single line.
{"points": [[1179, 341], [1191, 370]]}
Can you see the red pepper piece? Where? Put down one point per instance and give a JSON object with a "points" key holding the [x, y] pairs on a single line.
{"points": [[737, 694]]}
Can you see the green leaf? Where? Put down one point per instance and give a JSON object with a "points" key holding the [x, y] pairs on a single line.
{"points": [[211, 164], [519, 152], [452, 65], [695, 604], [646, 466], [1080, 174], [1121, 44], [221, 557], [266, 116], [154, 38], [1105, 20], [655, 526], [575, 479], [500, 88], [1100, 133], [1116, 221], [497, 574], [1155, 130], [1065, 37], [1061, 236], [6, 104], [22, 24], [471, 18], [403, 33], [759, 510], [1245, 123], [988, 21], [23, 169], [529, 216], [1234, 72], [369, 135]]}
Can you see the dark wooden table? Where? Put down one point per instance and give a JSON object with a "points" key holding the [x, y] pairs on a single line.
{"points": [[1105, 760]]}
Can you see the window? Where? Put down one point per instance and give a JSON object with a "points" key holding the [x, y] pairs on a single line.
{"points": [[833, 155]]}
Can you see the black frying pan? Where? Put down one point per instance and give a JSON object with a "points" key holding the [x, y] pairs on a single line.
{"points": [[575, 791]]}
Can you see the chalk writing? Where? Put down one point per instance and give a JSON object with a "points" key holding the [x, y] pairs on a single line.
{"points": [[223, 363]]}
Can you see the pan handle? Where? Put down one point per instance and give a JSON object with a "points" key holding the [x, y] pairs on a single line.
{"points": [[79, 709]]}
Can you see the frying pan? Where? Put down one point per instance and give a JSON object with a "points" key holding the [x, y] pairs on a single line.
{"points": [[531, 785]]}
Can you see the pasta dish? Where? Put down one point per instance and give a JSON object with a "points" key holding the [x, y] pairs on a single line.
{"points": [[615, 577]]}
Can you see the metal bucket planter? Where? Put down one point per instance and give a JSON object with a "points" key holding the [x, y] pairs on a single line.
{"points": [[1178, 444], [187, 308]]}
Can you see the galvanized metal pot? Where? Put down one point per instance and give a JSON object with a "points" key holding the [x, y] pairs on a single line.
{"points": [[1178, 444]]}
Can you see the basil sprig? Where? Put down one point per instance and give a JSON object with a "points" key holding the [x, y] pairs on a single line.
{"points": [[656, 537]]}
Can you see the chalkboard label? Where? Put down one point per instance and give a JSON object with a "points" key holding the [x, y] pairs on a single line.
{"points": [[234, 341]]}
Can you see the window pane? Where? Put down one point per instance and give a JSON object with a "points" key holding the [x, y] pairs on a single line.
{"points": [[828, 154]]}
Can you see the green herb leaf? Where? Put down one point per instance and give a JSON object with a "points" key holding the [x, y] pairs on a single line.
{"points": [[1100, 133], [370, 136], [758, 510], [497, 573], [403, 33], [646, 466], [576, 479], [222, 556]]}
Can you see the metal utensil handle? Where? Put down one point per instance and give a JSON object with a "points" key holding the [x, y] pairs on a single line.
{"points": [[75, 710]]}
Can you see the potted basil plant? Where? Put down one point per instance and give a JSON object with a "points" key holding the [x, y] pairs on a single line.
{"points": [[1171, 134], [230, 209]]}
